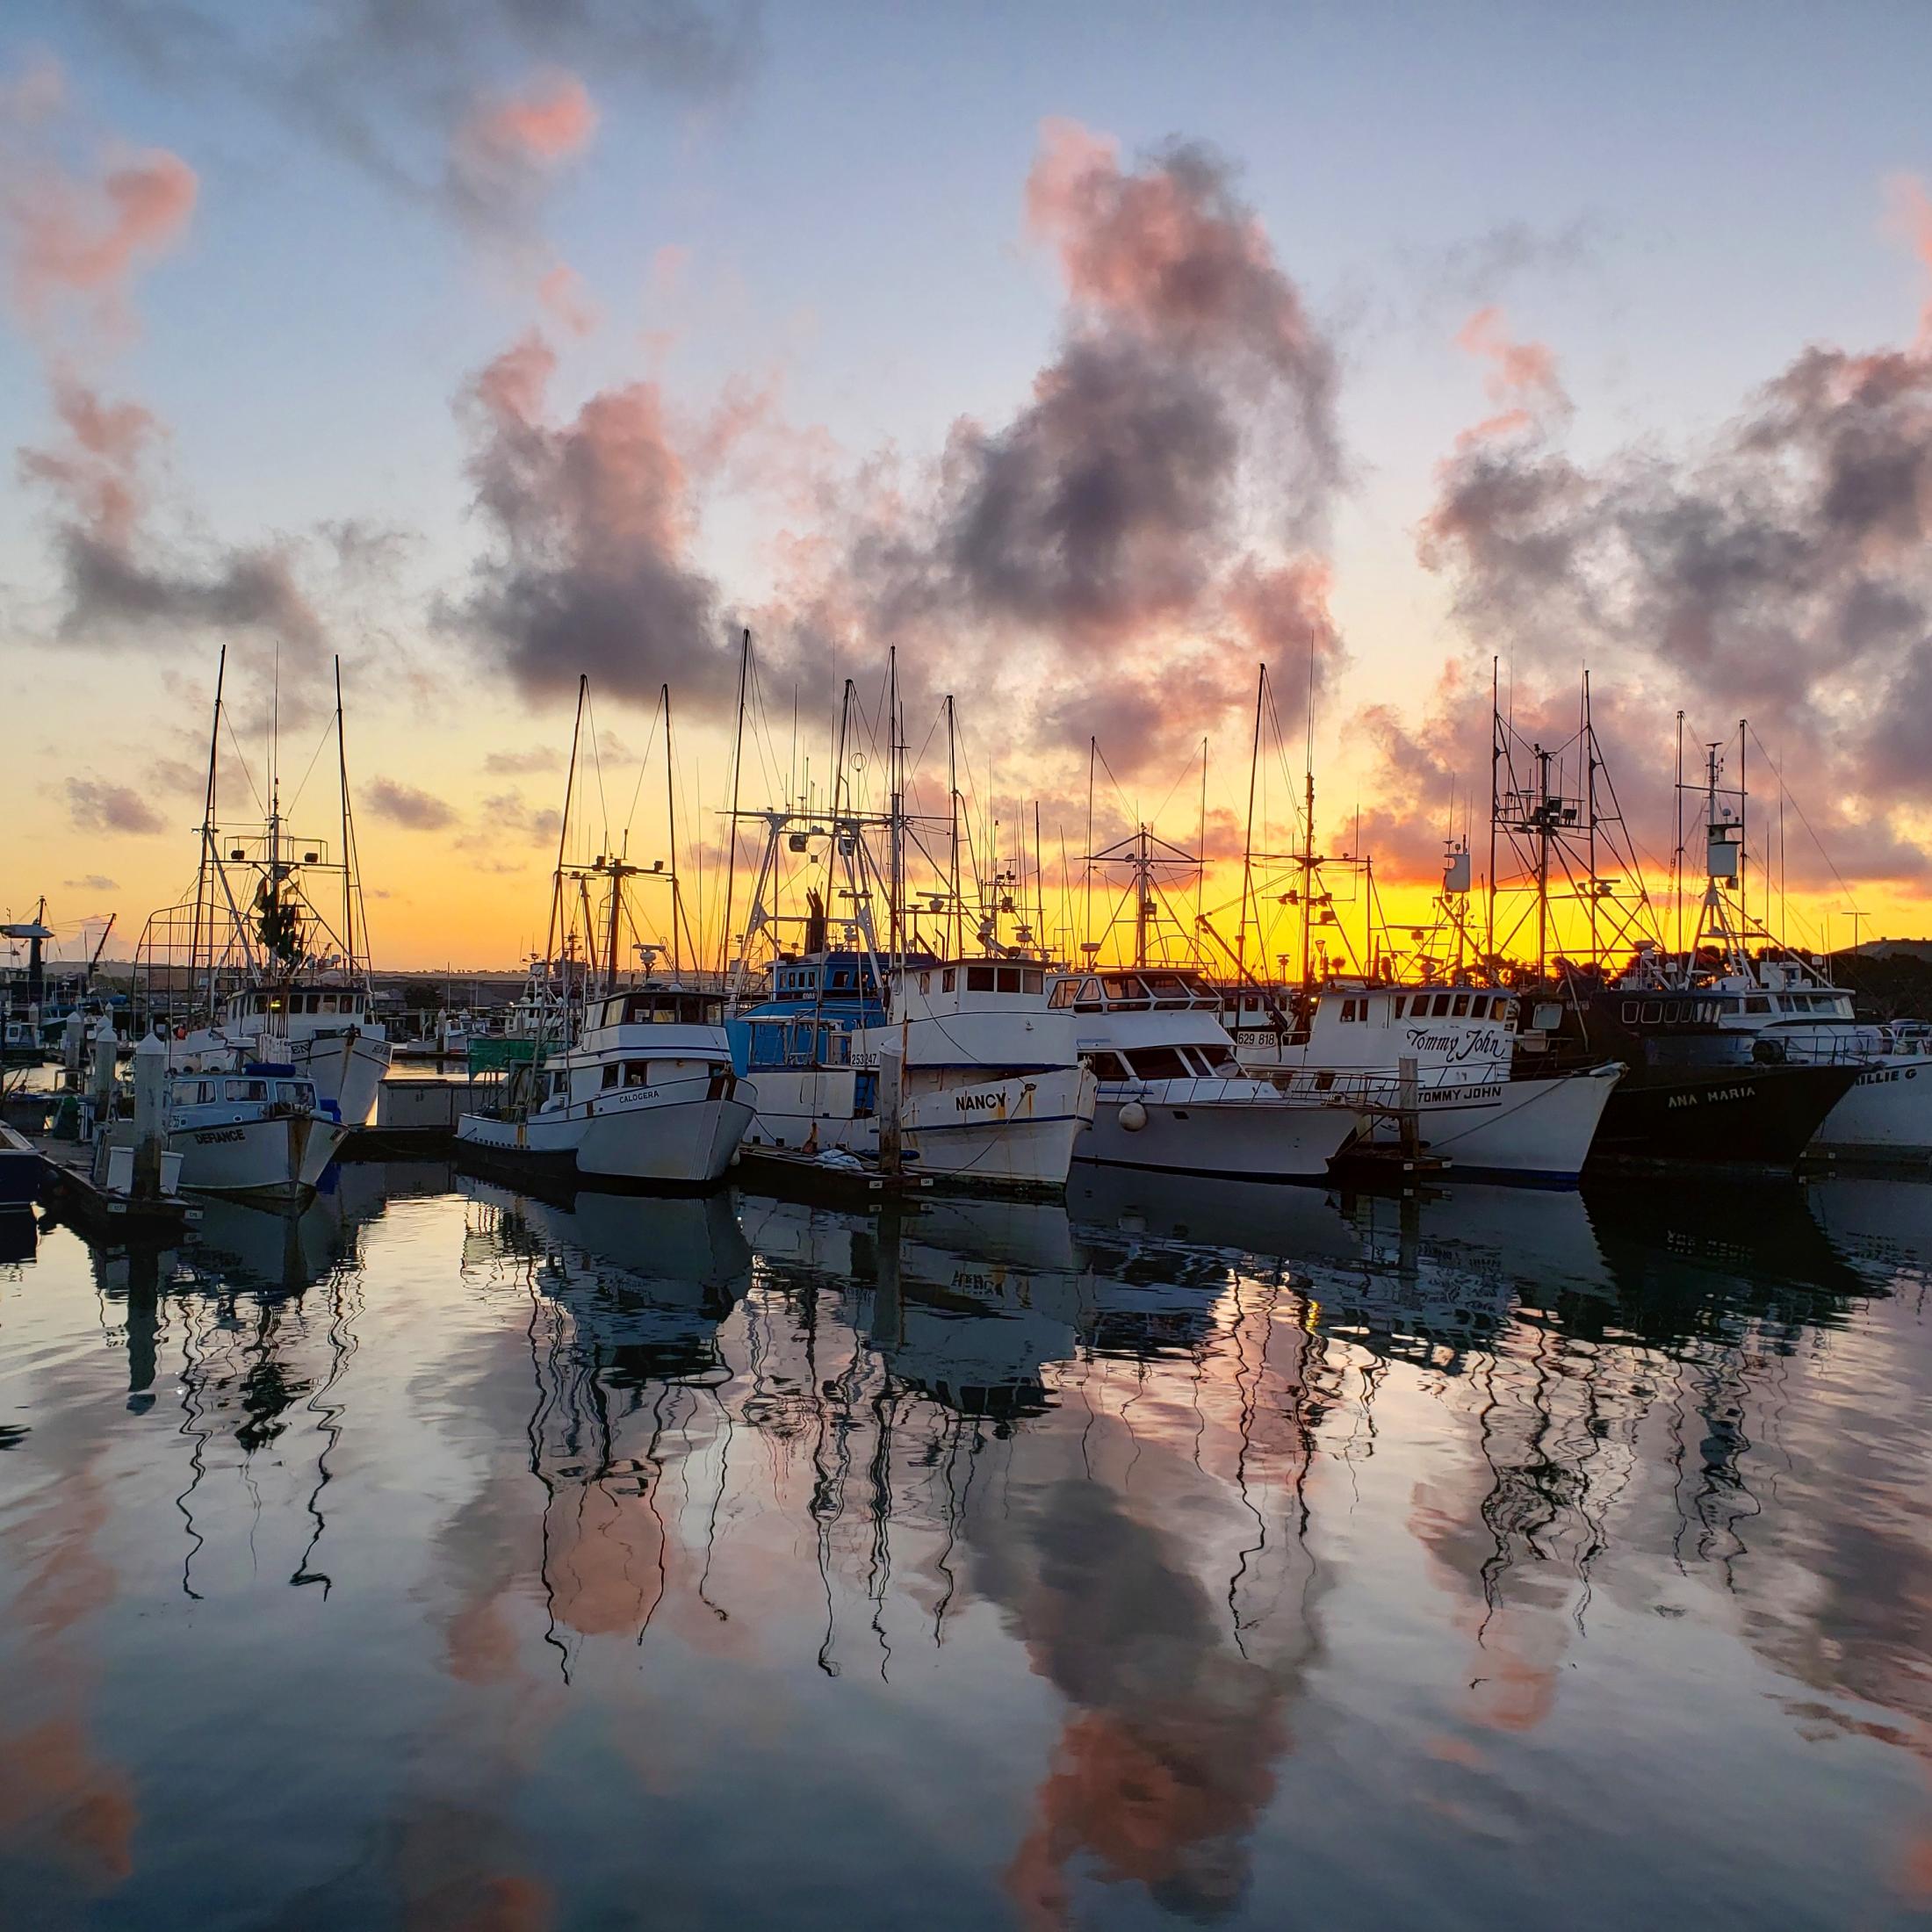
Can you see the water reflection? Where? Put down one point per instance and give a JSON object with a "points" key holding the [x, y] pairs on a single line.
{"points": [[1168, 1523]]}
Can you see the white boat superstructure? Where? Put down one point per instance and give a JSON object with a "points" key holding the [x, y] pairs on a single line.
{"points": [[326, 1032], [981, 1077], [1476, 1108], [645, 1095], [1172, 1094], [253, 1128]]}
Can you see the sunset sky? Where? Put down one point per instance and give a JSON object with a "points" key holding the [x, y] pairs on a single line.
{"points": [[1091, 355]]}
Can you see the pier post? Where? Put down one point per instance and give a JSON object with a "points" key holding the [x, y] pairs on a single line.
{"points": [[1409, 1102], [150, 1077], [73, 1047], [100, 1088], [891, 1094]]}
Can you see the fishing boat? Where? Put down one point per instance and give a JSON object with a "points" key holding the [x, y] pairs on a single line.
{"points": [[268, 960], [1172, 1094], [1694, 1092], [256, 1129], [629, 1077], [939, 1059], [646, 1093]]}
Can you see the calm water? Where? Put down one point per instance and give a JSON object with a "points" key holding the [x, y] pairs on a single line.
{"points": [[447, 1558]]}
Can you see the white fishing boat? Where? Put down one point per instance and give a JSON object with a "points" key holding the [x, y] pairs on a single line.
{"points": [[1172, 1094], [327, 1032], [623, 1083], [647, 1094], [1476, 1106], [258, 1129], [268, 959], [990, 1087]]}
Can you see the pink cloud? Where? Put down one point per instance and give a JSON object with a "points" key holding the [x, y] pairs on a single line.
{"points": [[563, 295], [86, 239], [1522, 380]]}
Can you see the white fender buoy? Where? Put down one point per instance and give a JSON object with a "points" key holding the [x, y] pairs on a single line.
{"points": [[1132, 1116]]}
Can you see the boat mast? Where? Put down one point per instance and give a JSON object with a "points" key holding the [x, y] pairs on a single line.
{"points": [[671, 820], [1676, 857], [1495, 767], [1247, 847], [563, 834], [349, 908], [207, 844], [895, 779], [952, 830], [738, 760], [1589, 808]]}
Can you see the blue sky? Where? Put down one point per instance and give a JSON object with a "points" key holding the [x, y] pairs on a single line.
{"points": [[1698, 191]]}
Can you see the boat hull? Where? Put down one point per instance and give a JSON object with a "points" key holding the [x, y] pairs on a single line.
{"points": [[677, 1143], [1533, 1130], [1740, 1116], [1000, 1130], [347, 1068], [1241, 1141], [1887, 1115], [279, 1158]]}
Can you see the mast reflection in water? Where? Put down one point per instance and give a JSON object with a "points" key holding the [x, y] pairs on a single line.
{"points": [[1191, 1553]]}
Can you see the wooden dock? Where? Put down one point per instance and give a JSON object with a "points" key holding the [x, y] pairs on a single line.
{"points": [[78, 1199]]}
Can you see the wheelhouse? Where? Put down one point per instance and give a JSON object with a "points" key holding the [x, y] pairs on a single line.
{"points": [[661, 1006]]}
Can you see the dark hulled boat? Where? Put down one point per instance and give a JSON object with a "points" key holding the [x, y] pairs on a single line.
{"points": [[1695, 1093]]}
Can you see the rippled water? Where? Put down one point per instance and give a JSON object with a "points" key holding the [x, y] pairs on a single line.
{"points": [[1195, 1553]]}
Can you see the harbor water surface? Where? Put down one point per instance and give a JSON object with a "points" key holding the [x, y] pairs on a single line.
{"points": [[1190, 1553]]}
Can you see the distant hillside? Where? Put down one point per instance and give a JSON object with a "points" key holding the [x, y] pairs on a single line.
{"points": [[1893, 978]]}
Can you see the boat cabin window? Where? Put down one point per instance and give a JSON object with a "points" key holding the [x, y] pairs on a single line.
{"points": [[1159, 1063], [637, 1073], [665, 1009], [613, 1072], [559, 1084], [979, 979], [925, 983], [1169, 989], [1348, 1010], [1757, 1003], [1109, 1066], [245, 1089], [1063, 992], [1401, 999], [843, 980], [297, 1092]]}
